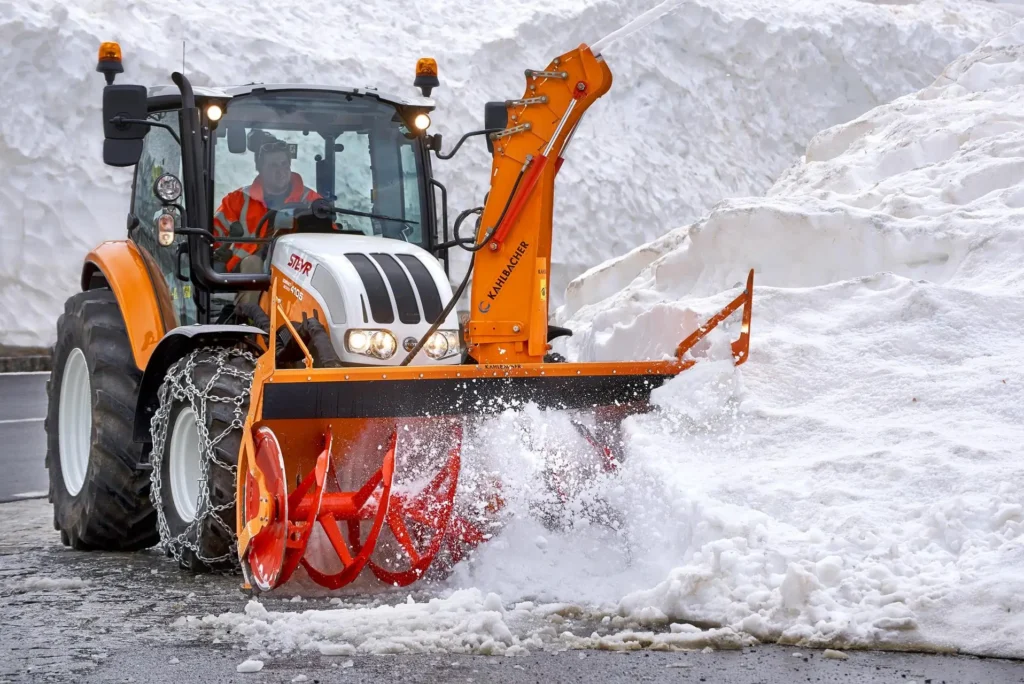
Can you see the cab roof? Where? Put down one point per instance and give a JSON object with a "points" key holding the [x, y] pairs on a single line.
{"points": [[169, 95]]}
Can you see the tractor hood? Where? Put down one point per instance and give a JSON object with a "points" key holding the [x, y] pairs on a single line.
{"points": [[367, 283]]}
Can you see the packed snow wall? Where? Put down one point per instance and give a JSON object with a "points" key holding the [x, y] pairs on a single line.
{"points": [[712, 101], [865, 463]]}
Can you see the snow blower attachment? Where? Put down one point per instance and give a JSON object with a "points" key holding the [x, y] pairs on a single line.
{"points": [[359, 414], [303, 387]]}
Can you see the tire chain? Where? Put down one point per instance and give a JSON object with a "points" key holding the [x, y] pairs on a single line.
{"points": [[179, 385]]}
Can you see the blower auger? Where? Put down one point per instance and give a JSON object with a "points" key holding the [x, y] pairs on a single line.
{"points": [[301, 392]]}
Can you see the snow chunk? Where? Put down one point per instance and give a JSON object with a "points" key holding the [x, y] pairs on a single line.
{"points": [[250, 666], [48, 584]]}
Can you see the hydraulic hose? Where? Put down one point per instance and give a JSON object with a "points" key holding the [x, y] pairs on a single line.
{"points": [[444, 314]]}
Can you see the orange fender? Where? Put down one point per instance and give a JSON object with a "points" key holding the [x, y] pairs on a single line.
{"points": [[124, 268]]}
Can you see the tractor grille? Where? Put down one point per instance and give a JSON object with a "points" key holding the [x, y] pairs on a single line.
{"points": [[395, 283], [376, 290], [429, 295], [405, 297]]}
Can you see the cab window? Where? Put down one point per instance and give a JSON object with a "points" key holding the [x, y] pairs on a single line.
{"points": [[278, 148]]}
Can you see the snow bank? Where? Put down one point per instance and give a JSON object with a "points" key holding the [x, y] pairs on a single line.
{"points": [[711, 101], [859, 481]]}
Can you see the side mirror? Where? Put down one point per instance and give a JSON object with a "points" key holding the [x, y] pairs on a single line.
{"points": [[434, 142], [495, 116], [124, 127]]}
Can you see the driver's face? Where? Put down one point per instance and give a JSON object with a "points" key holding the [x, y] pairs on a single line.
{"points": [[276, 171]]}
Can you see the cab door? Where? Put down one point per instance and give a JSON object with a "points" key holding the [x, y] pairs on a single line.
{"points": [[169, 266]]}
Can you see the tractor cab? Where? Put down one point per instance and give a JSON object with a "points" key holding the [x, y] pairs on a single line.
{"points": [[221, 174]]}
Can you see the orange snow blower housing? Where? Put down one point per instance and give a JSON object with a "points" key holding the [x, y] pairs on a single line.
{"points": [[334, 465]]}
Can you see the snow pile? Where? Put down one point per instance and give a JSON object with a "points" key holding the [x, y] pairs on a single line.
{"points": [[859, 481], [711, 101], [857, 484]]}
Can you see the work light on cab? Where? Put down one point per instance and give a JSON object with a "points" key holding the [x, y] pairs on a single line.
{"points": [[167, 187], [421, 122]]}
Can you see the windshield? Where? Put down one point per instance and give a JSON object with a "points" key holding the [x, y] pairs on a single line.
{"points": [[293, 146]]}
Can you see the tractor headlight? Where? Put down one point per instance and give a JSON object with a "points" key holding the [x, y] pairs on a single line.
{"points": [[377, 343], [442, 344], [383, 344]]}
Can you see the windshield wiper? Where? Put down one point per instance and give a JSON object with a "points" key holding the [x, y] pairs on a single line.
{"points": [[323, 209]]}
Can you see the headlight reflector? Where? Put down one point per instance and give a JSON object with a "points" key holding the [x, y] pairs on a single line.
{"points": [[442, 344], [383, 344], [377, 343]]}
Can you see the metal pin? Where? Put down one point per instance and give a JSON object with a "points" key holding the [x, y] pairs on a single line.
{"points": [[540, 99]]}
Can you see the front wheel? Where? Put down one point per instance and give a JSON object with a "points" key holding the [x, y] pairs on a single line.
{"points": [[197, 435]]}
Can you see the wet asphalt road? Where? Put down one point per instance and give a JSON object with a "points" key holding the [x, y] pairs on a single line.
{"points": [[22, 439], [115, 623]]}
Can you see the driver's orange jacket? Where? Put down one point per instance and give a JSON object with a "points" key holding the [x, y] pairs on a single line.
{"points": [[246, 207]]}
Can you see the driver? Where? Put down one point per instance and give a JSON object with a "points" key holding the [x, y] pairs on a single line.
{"points": [[240, 211]]}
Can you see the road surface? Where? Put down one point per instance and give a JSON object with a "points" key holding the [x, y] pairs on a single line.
{"points": [[109, 617], [22, 439]]}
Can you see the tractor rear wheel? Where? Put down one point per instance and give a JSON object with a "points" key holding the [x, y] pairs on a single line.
{"points": [[100, 494], [197, 435]]}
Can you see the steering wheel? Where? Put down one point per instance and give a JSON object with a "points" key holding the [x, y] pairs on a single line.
{"points": [[303, 206], [318, 208]]}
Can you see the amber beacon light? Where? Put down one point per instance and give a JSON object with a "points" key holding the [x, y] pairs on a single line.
{"points": [[109, 62], [426, 75]]}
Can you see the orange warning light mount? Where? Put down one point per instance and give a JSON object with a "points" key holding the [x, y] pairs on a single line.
{"points": [[426, 75], [109, 62]]}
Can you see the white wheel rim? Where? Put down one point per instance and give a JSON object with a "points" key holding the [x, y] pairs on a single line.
{"points": [[184, 465], [74, 431]]}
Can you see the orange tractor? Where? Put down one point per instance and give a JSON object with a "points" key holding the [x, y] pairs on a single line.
{"points": [[270, 371]]}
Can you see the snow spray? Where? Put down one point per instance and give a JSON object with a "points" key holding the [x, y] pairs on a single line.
{"points": [[642, 21]]}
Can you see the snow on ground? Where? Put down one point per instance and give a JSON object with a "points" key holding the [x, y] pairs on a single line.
{"points": [[857, 484], [45, 584], [712, 101]]}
